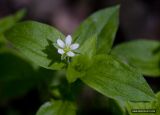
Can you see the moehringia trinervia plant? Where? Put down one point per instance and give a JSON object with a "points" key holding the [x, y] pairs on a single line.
{"points": [[114, 71], [66, 48]]}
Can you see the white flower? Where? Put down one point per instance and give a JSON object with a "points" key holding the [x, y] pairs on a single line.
{"points": [[66, 48]]}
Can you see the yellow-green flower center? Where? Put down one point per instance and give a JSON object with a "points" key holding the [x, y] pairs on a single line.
{"points": [[67, 49]]}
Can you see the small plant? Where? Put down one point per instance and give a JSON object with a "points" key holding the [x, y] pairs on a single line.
{"points": [[87, 56]]}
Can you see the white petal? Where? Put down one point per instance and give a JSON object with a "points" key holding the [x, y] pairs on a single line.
{"points": [[68, 40], [60, 43], [70, 54], [60, 51], [74, 46]]}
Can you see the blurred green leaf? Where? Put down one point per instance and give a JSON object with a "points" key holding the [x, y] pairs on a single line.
{"points": [[57, 108], [142, 54], [35, 40], [17, 76], [103, 24], [155, 105], [7, 22], [117, 107], [116, 80], [2, 40]]}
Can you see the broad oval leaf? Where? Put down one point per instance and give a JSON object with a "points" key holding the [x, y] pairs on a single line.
{"points": [[117, 80], [102, 24], [57, 108], [146, 108], [89, 47], [8, 21], [35, 40], [142, 54]]}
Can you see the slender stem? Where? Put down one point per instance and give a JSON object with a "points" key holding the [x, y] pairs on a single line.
{"points": [[68, 59]]}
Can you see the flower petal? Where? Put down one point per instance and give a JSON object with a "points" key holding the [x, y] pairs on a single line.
{"points": [[60, 43], [74, 46], [68, 40], [60, 51], [70, 54]]}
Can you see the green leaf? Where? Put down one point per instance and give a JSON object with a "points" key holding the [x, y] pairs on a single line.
{"points": [[89, 47], [142, 54], [78, 68], [102, 24], [154, 105], [116, 80], [57, 108], [35, 40], [17, 76], [7, 22]]}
